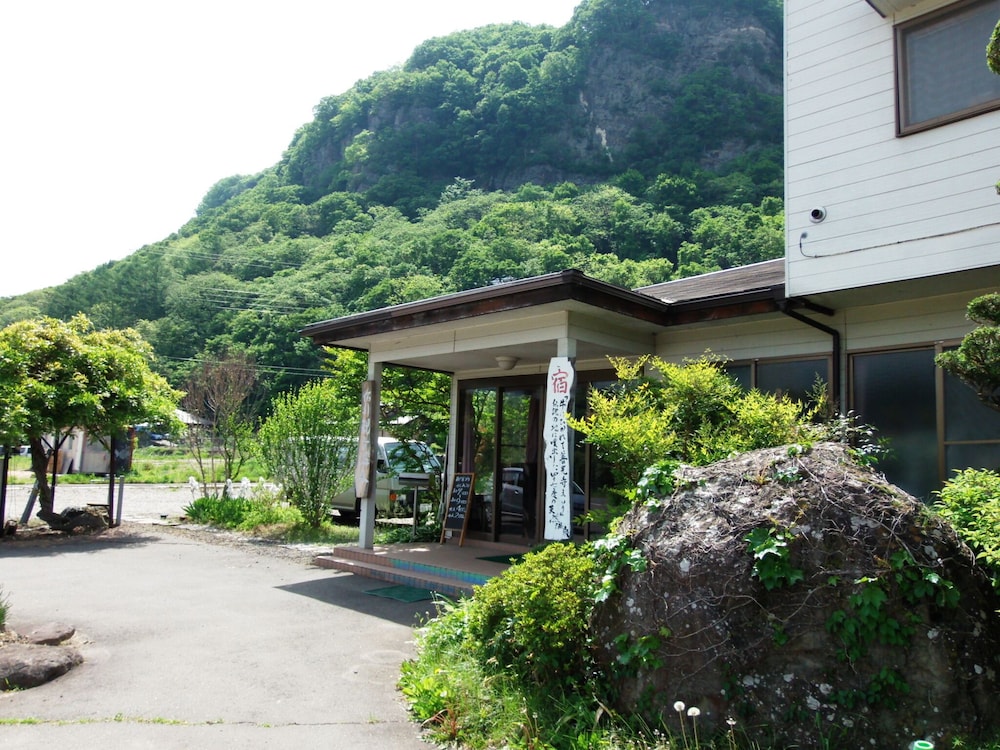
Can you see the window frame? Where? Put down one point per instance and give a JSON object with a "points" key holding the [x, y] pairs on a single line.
{"points": [[754, 363], [925, 20], [941, 413]]}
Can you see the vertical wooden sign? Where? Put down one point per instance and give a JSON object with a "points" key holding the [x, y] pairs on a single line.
{"points": [[362, 470]]}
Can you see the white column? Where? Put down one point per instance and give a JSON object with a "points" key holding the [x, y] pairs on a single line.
{"points": [[454, 435], [369, 432], [566, 347]]}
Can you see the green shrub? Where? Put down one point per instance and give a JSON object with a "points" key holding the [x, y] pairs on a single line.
{"points": [[758, 420], [531, 622], [970, 501], [509, 666], [4, 608], [201, 510], [693, 413], [428, 531], [449, 689], [269, 512], [227, 512]]}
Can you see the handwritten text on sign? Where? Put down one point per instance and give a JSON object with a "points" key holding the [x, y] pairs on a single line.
{"points": [[558, 467]]}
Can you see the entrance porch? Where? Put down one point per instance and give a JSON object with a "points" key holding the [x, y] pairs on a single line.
{"points": [[446, 569]]}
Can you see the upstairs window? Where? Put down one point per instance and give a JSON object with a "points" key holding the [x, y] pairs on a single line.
{"points": [[941, 66]]}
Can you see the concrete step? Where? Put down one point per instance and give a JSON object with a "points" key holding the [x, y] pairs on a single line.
{"points": [[446, 569], [450, 587]]}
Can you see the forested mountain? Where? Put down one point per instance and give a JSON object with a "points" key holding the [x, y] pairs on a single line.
{"points": [[640, 142]]}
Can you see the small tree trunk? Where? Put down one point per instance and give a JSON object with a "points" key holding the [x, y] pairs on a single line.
{"points": [[39, 467]]}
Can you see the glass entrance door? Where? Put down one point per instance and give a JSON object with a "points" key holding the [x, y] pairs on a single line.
{"points": [[501, 444], [517, 499]]}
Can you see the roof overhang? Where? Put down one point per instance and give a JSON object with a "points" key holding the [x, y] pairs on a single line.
{"points": [[886, 8], [969, 281], [571, 285], [526, 319], [530, 319]]}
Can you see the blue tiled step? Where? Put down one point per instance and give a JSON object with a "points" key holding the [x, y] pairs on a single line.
{"points": [[447, 569]]}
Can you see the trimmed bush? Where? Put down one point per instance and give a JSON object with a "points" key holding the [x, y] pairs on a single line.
{"points": [[532, 620], [970, 501]]}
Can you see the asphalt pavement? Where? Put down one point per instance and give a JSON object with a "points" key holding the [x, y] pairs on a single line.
{"points": [[189, 644]]}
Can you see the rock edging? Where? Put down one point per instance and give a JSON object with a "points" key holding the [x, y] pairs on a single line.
{"points": [[39, 656]]}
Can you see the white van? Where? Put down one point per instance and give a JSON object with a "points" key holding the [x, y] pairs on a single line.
{"points": [[401, 466]]}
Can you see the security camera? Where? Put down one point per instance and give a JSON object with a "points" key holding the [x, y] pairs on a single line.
{"points": [[817, 215]]}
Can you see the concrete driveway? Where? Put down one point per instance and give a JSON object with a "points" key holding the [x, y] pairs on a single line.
{"points": [[189, 644]]}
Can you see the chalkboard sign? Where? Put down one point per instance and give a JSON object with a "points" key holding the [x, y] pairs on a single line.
{"points": [[456, 513]]}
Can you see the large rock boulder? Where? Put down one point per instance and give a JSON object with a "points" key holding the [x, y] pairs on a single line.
{"points": [[37, 657], [27, 665], [802, 596], [87, 520]]}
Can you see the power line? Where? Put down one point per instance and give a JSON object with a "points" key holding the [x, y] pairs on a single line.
{"points": [[263, 368]]}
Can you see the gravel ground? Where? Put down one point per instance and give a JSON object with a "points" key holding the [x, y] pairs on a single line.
{"points": [[129, 531], [145, 505], [140, 502]]}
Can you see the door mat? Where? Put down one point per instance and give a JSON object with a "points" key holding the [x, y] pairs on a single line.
{"points": [[505, 559], [402, 593]]}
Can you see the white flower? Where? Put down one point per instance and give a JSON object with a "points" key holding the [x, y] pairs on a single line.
{"points": [[694, 711], [679, 706]]}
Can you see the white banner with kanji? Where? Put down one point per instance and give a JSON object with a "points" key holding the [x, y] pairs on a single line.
{"points": [[558, 461]]}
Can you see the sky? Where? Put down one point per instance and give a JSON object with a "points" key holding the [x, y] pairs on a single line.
{"points": [[119, 115]]}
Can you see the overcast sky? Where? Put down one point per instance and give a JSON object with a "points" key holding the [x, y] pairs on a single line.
{"points": [[118, 115]]}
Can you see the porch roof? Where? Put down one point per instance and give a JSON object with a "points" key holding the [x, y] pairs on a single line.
{"points": [[733, 292], [526, 319]]}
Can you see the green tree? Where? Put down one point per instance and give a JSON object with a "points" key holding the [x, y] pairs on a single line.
{"points": [[415, 404], [56, 377], [221, 393], [993, 58], [731, 236], [309, 445], [977, 359], [993, 50]]}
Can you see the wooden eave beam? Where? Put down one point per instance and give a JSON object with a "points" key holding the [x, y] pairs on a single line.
{"points": [[741, 305]]}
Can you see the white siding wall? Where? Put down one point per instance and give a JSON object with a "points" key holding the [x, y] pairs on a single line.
{"points": [[897, 208], [777, 336], [878, 326], [934, 319]]}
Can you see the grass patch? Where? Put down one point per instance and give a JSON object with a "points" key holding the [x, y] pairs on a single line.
{"points": [[266, 515], [116, 719], [328, 533]]}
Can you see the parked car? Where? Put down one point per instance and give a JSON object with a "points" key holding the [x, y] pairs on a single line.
{"points": [[401, 468], [512, 502]]}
